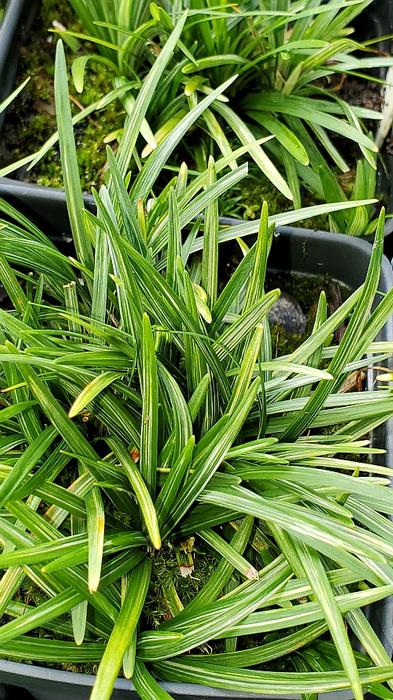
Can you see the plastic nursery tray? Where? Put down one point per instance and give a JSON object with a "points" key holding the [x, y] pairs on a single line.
{"points": [[344, 259]]}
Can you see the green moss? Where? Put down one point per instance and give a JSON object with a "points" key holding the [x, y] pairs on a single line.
{"points": [[31, 119], [245, 200], [167, 576]]}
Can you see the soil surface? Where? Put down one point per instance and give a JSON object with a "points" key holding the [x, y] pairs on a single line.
{"points": [[362, 93], [370, 95]]}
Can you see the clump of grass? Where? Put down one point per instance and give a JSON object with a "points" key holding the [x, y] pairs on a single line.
{"points": [[152, 423], [289, 67]]}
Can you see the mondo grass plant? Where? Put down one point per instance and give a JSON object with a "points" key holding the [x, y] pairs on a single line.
{"points": [[290, 58], [284, 103], [144, 414]]}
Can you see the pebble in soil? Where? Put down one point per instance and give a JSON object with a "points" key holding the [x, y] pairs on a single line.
{"points": [[292, 317], [288, 314]]}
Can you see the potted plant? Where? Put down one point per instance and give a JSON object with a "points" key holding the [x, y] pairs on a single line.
{"points": [[148, 429], [267, 99]]}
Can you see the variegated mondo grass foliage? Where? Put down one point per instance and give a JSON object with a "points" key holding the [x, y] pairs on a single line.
{"points": [[284, 105], [142, 406], [291, 59], [279, 69]]}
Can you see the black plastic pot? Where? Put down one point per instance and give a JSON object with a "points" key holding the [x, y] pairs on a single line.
{"points": [[344, 259], [29, 198], [12, 29], [8, 30]]}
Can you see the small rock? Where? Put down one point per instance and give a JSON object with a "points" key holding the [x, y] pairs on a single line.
{"points": [[288, 313]]}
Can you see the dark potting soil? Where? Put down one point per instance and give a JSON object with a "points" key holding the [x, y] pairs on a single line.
{"points": [[370, 95], [292, 317], [362, 93]]}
